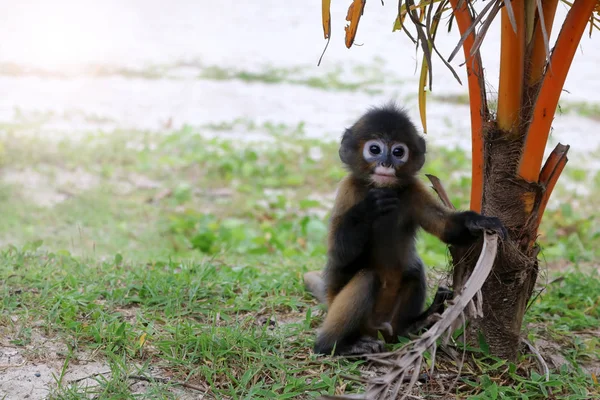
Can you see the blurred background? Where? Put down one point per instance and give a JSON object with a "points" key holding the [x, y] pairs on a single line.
{"points": [[166, 174], [118, 118]]}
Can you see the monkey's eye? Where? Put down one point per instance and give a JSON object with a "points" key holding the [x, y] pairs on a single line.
{"points": [[400, 152], [373, 148]]}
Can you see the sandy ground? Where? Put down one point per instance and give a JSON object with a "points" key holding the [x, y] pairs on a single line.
{"points": [[28, 372], [58, 41]]}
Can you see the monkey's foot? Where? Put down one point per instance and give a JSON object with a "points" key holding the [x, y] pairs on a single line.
{"points": [[442, 295], [419, 327], [386, 327], [364, 345]]}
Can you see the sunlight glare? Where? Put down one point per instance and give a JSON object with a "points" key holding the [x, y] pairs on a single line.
{"points": [[59, 34]]}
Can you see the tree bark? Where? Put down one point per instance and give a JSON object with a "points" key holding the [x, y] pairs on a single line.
{"points": [[510, 285]]}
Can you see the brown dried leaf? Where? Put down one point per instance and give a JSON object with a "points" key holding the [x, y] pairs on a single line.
{"points": [[326, 17], [355, 11]]}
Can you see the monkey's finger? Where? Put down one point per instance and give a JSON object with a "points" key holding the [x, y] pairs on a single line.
{"points": [[474, 227], [387, 202], [381, 193], [494, 224], [491, 224], [442, 295], [387, 209], [502, 232]]}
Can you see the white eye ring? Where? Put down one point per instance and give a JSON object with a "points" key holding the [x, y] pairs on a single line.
{"points": [[400, 152], [373, 149]]}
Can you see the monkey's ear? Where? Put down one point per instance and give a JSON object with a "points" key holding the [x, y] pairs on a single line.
{"points": [[344, 154], [345, 151], [419, 157], [421, 144], [418, 161]]}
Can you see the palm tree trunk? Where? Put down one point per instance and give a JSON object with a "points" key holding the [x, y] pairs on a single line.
{"points": [[510, 285]]}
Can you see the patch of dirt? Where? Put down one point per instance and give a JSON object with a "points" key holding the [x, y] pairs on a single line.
{"points": [[51, 188], [31, 371], [552, 350], [133, 182], [565, 265]]}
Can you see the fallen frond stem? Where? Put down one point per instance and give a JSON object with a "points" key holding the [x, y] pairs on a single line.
{"points": [[439, 189], [477, 100], [540, 359], [552, 85], [512, 65], [549, 176], [410, 356], [152, 379]]}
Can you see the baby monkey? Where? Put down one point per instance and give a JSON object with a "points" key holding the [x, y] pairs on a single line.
{"points": [[374, 279]]}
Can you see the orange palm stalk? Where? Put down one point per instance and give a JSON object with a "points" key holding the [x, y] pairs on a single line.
{"points": [[512, 67], [476, 101], [549, 175], [552, 84]]}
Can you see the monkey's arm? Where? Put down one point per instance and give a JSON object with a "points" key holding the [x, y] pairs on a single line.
{"points": [[451, 227], [351, 220], [349, 234]]}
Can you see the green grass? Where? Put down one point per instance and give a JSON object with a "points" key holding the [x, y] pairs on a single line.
{"points": [[185, 255], [202, 322], [199, 320]]}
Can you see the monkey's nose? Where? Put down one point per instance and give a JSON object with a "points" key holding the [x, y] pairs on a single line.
{"points": [[386, 165]]}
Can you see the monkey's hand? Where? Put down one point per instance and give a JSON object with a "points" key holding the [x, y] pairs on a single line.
{"points": [[463, 228], [381, 201], [477, 223]]}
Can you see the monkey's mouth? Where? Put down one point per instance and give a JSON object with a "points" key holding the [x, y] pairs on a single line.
{"points": [[384, 175], [383, 179]]}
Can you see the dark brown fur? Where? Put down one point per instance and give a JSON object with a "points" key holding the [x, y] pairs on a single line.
{"points": [[374, 278]]}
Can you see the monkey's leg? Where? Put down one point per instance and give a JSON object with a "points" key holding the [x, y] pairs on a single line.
{"points": [[442, 295], [409, 317], [411, 299], [315, 284], [347, 319], [437, 307]]}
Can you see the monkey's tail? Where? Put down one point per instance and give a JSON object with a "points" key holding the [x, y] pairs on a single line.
{"points": [[315, 284]]}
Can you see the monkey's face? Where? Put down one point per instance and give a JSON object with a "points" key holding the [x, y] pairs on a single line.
{"points": [[383, 148], [385, 159]]}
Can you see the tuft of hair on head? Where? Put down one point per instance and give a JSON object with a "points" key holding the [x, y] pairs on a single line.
{"points": [[390, 118]]}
